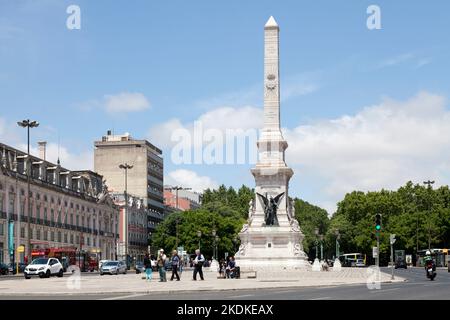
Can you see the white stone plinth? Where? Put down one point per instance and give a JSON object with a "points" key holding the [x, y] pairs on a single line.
{"points": [[337, 265], [316, 265]]}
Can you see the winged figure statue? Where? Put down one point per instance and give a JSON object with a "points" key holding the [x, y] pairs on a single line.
{"points": [[270, 208]]}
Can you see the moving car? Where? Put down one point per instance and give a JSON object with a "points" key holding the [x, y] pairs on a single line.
{"points": [[140, 268], [44, 268], [113, 267], [3, 269]]}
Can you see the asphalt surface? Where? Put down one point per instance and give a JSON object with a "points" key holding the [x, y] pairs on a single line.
{"points": [[417, 287]]}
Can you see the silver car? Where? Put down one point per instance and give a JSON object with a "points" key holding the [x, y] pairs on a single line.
{"points": [[113, 267]]}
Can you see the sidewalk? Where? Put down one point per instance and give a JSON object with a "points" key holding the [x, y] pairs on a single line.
{"points": [[134, 284]]}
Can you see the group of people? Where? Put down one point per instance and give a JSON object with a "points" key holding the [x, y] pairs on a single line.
{"points": [[228, 268], [176, 265]]}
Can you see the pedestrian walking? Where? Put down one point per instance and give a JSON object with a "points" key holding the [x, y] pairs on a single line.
{"points": [[198, 264], [175, 265], [148, 268], [162, 266]]}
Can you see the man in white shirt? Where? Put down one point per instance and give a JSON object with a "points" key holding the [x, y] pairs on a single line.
{"points": [[162, 266], [198, 264]]}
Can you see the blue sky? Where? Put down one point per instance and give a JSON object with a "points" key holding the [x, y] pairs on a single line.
{"points": [[184, 59]]}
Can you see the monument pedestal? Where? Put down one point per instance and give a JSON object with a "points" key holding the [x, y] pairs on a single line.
{"points": [[271, 248]]}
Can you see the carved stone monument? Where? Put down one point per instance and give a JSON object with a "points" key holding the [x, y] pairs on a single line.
{"points": [[271, 240]]}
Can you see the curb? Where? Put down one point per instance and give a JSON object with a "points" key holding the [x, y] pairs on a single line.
{"points": [[183, 291]]}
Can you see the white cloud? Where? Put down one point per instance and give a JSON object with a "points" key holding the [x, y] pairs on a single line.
{"points": [[412, 59], [126, 102], [190, 179], [382, 146], [117, 103], [70, 160]]}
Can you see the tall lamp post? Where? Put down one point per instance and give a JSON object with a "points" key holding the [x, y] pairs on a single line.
{"points": [[430, 188], [338, 236], [321, 246], [28, 124], [199, 235], [235, 241], [214, 232], [316, 232], [126, 167]]}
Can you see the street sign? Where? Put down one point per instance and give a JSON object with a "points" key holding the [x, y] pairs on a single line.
{"points": [[375, 252], [21, 249], [392, 238]]}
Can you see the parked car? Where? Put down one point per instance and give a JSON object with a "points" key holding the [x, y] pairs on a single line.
{"points": [[400, 263], [140, 268], [44, 268], [12, 267], [113, 267], [4, 269], [101, 262]]}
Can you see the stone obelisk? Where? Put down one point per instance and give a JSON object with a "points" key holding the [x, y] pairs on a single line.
{"points": [[277, 246]]}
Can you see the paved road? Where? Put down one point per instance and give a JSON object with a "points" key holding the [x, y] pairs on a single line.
{"points": [[417, 287]]}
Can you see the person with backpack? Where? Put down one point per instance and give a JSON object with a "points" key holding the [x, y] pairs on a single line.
{"points": [[162, 266], [175, 265]]}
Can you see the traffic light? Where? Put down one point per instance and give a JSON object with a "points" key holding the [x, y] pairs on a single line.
{"points": [[378, 222]]}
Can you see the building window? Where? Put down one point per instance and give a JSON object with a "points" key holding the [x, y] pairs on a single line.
{"points": [[65, 237], [59, 216], [65, 218], [88, 241], [71, 219], [78, 220], [52, 236], [2, 232], [82, 221], [22, 232], [59, 236], [1, 203], [22, 208], [38, 211], [45, 198], [52, 215], [11, 205], [45, 213], [38, 234], [77, 241], [45, 235]]}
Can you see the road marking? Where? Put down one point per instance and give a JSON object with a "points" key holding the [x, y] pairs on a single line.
{"points": [[242, 296], [383, 290], [321, 298], [125, 297]]}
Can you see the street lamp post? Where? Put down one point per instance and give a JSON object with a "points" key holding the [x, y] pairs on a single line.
{"points": [[316, 232], [217, 252], [430, 188], [235, 240], [199, 235], [28, 124], [214, 232], [338, 236], [126, 167], [321, 247]]}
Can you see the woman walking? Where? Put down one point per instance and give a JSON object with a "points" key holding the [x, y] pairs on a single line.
{"points": [[175, 264], [148, 268]]}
